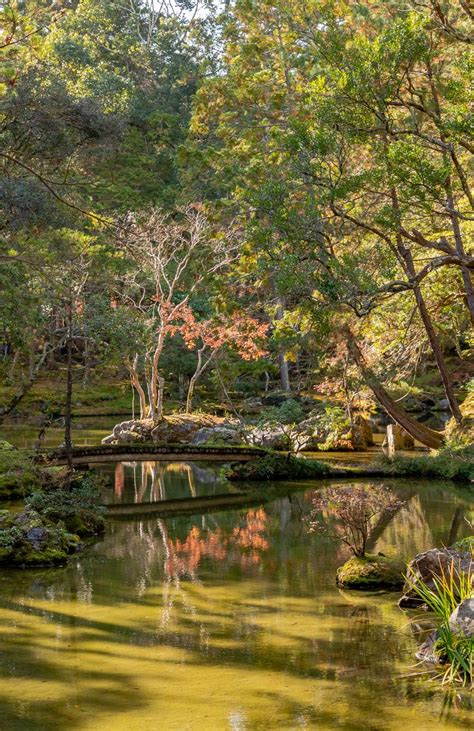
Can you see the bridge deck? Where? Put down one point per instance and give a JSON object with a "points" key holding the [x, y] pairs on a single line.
{"points": [[151, 453]]}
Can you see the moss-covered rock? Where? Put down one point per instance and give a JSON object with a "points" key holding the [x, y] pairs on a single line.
{"points": [[18, 473], [84, 522], [371, 572], [78, 508], [29, 540]]}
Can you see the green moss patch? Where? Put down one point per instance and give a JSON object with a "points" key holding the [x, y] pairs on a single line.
{"points": [[371, 572], [30, 540]]}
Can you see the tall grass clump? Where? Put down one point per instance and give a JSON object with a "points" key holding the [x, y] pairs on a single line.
{"points": [[454, 649]]}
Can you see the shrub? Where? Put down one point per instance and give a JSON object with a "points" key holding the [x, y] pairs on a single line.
{"points": [[355, 509], [78, 508], [454, 464], [285, 418], [275, 467]]}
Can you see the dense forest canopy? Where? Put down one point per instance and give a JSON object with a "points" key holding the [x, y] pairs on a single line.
{"points": [[240, 196]]}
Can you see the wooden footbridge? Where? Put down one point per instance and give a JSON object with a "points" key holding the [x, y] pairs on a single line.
{"points": [[150, 453]]}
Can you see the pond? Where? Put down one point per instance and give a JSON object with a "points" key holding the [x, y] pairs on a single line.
{"points": [[225, 620]]}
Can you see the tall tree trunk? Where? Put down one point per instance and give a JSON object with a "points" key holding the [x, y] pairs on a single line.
{"points": [[135, 381], [420, 432], [406, 260], [68, 406], [160, 398], [156, 392], [282, 361], [284, 372], [430, 331], [466, 274], [190, 394]]}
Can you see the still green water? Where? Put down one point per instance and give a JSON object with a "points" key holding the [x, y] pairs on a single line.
{"points": [[227, 620]]}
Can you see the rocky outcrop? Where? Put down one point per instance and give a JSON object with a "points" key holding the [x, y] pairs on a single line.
{"points": [[216, 435], [268, 437], [311, 435], [29, 540], [132, 431], [174, 429], [371, 572], [430, 564]]}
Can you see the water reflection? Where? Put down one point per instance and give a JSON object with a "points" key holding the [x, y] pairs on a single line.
{"points": [[219, 621], [140, 482]]}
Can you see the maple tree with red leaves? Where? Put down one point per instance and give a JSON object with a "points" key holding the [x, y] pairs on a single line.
{"points": [[237, 331]]}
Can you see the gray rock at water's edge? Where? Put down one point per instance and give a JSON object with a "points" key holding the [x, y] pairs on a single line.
{"points": [[462, 619], [433, 563], [216, 434]]}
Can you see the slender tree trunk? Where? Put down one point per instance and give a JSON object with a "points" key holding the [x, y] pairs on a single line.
{"points": [[282, 361], [406, 259], [135, 381], [466, 274], [200, 368], [420, 432], [68, 406], [284, 372], [190, 394], [156, 395], [192, 382], [160, 398], [430, 331]]}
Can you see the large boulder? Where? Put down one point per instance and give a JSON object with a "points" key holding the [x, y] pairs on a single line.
{"points": [[268, 437], [182, 428], [371, 572], [173, 429], [320, 433], [28, 540], [216, 435], [132, 431], [429, 565]]}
